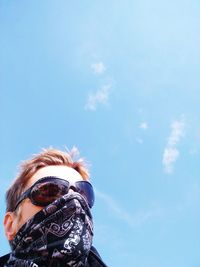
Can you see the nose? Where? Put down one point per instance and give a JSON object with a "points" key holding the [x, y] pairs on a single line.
{"points": [[72, 189]]}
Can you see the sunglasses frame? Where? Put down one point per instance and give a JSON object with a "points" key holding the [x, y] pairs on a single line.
{"points": [[27, 193]]}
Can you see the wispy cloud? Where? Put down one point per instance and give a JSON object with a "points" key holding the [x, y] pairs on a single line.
{"points": [[190, 200], [144, 125], [193, 151], [139, 140], [132, 220], [171, 153], [169, 158], [101, 96], [98, 68], [176, 133]]}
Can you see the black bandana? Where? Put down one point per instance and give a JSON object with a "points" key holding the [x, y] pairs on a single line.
{"points": [[59, 235]]}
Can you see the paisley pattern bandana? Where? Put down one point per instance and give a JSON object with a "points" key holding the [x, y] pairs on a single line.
{"points": [[58, 235]]}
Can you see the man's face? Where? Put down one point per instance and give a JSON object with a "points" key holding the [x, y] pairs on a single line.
{"points": [[26, 210]]}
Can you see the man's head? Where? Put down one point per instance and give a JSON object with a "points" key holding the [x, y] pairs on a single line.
{"points": [[50, 162]]}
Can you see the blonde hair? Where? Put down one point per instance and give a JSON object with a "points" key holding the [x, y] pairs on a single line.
{"points": [[46, 157]]}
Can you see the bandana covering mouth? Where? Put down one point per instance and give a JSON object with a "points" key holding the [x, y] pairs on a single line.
{"points": [[58, 235]]}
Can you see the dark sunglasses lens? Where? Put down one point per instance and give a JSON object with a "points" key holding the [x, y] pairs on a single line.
{"points": [[45, 193], [85, 189]]}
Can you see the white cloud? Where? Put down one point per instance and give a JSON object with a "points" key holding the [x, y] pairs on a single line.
{"points": [[98, 68], [176, 133], [101, 96], [143, 126], [171, 153], [169, 157]]}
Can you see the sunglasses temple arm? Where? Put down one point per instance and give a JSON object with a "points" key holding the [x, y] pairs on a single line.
{"points": [[23, 196]]}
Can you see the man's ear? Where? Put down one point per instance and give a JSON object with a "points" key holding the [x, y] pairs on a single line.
{"points": [[10, 225]]}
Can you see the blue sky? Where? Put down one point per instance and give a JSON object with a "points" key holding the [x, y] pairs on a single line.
{"points": [[119, 80]]}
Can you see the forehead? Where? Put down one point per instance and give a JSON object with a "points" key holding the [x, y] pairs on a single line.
{"points": [[63, 172]]}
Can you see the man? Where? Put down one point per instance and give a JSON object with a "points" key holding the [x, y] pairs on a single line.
{"points": [[48, 221]]}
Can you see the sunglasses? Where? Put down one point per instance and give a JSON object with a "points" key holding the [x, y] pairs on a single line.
{"points": [[50, 188]]}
